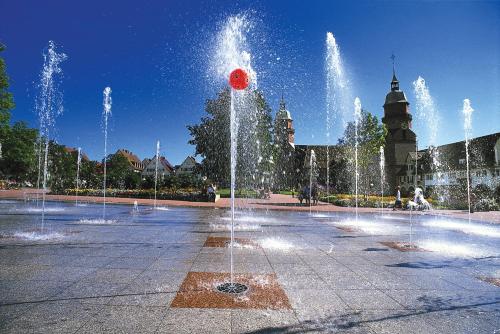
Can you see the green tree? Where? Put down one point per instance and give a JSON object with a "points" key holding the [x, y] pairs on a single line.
{"points": [[371, 135], [120, 174], [18, 152], [90, 174], [211, 138], [61, 167], [6, 99]]}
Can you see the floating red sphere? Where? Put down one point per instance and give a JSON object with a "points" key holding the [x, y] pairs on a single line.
{"points": [[238, 79]]}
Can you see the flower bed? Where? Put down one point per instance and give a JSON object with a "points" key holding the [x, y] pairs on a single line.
{"points": [[187, 194]]}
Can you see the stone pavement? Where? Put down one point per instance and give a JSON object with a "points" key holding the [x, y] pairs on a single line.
{"points": [[122, 278]]}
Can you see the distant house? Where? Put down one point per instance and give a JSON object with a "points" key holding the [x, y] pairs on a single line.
{"points": [[146, 161], [164, 167], [407, 177], [484, 165], [135, 163], [73, 150], [188, 166]]}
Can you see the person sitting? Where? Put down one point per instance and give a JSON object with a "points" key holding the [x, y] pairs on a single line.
{"points": [[304, 195], [211, 193], [314, 194], [398, 204]]}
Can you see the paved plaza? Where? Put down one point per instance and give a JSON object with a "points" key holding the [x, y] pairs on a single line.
{"points": [[121, 275]]}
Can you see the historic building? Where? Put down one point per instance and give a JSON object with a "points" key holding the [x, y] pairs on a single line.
{"points": [[284, 140], [132, 159], [404, 166], [484, 165], [188, 166], [164, 167], [400, 139]]}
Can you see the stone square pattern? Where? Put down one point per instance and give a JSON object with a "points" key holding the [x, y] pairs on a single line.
{"points": [[225, 241], [199, 291]]}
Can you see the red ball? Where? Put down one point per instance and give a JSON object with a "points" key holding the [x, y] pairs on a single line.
{"points": [[238, 79]]}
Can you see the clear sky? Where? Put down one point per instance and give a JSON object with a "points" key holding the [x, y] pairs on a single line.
{"points": [[153, 54]]}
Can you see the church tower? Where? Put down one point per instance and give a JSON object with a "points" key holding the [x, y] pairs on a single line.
{"points": [[284, 124], [284, 141], [400, 139]]}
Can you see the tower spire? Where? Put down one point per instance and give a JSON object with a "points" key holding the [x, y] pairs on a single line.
{"points": [[394, 82], [393, 57]]}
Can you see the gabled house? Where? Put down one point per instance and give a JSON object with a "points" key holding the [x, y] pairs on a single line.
{"points": [[135, 163], [188, 166], [164, 168]]}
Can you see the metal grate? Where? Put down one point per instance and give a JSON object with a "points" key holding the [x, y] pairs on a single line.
{"points": [[232, 288]]}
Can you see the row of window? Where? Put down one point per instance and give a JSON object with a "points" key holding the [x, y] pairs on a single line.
{"points": [[463, 174], [409, 178]]}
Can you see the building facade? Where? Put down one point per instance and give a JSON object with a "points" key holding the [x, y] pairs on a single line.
{"points": [[135, 163], [284, 141], [164, 168], [484, 165], [400, 139], [188, 166]]}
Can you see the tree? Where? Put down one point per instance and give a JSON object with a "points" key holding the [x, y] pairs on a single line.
{"points": [[340, 174], [90, 174], [61, 167], [371, 136], [18, 152], [212, 139], [120, 174], [6, 99]]}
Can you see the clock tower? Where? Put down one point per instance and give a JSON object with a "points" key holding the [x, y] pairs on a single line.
{"points": [[400, 139]]}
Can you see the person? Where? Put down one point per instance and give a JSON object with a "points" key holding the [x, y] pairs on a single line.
{"points": [[211, 193], [314, 194], [397, 203]]}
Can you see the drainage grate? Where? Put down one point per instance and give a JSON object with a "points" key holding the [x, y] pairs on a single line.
{"points": [[232, 288]]}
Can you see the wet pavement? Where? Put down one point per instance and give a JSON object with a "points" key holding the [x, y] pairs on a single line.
{"points": [[86, 274]]}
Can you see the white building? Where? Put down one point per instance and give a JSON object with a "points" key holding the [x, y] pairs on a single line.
{"points": [[484, 165], [188, 166], [164, 168]]}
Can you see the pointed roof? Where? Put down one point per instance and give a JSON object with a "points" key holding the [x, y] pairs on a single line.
{"points": [[282, 112], [395, 95]]}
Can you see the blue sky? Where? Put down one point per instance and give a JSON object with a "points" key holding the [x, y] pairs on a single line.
{"points": [[153, 54]]}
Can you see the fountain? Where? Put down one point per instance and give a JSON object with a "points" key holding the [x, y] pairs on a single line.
{"points": [[49, 105], [467, 111], [78, 162], [357, 118], [106, 114], [312, 164], [428, 120], [232, 60], [382, 176], [39, 160], [156, 168], [336, 94]]}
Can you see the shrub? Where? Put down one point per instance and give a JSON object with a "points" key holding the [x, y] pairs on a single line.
{"points": [[486, 204], [482, 191], [186, 194], [497, 194]]}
